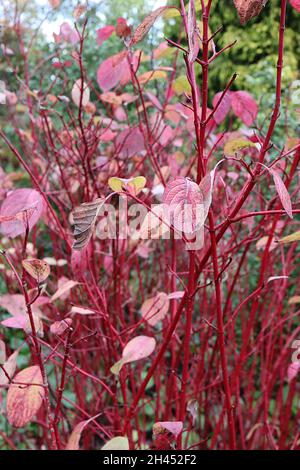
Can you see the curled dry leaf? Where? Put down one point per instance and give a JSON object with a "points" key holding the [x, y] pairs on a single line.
{"points": [[155, 309], [137, 348], [84, 218], [24, 402], [147, 24], [10, 366], [193, 32], [173, 427], [117, 443], [248, 9], [80, 93], [38, 269]]}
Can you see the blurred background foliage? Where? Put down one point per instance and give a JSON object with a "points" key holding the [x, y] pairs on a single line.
{"points": [[253, 57]]}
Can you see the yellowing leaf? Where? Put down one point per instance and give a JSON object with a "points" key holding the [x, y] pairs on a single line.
{"points": [[181, 85], [117, 443], [23, 402], [111, 98], [38, 269], [294, 300], [132, 185], [151, 75], [235, 145], [294, 237], [173, 13]]}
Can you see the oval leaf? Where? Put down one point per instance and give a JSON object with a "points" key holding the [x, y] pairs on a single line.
{"points": [[248, 9], [80, 93], [138, 348], [282, 192], [38, 269], [155, 309], [184, 207], [23, 402], [244, 106]]}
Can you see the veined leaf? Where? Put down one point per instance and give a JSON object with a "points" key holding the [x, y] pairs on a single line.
{"points": [[38, 269], [23, 402], [147, 24], [248, 9], [84, 218], [155, 309]]}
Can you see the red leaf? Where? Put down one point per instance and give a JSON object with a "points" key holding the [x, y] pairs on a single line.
{"points": [[244, 106], [183, 201], [24, 199], [295, 4], [223, 108], [282, 192], [24, 402], [104, 33], [130, 142], [115, 70]]}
